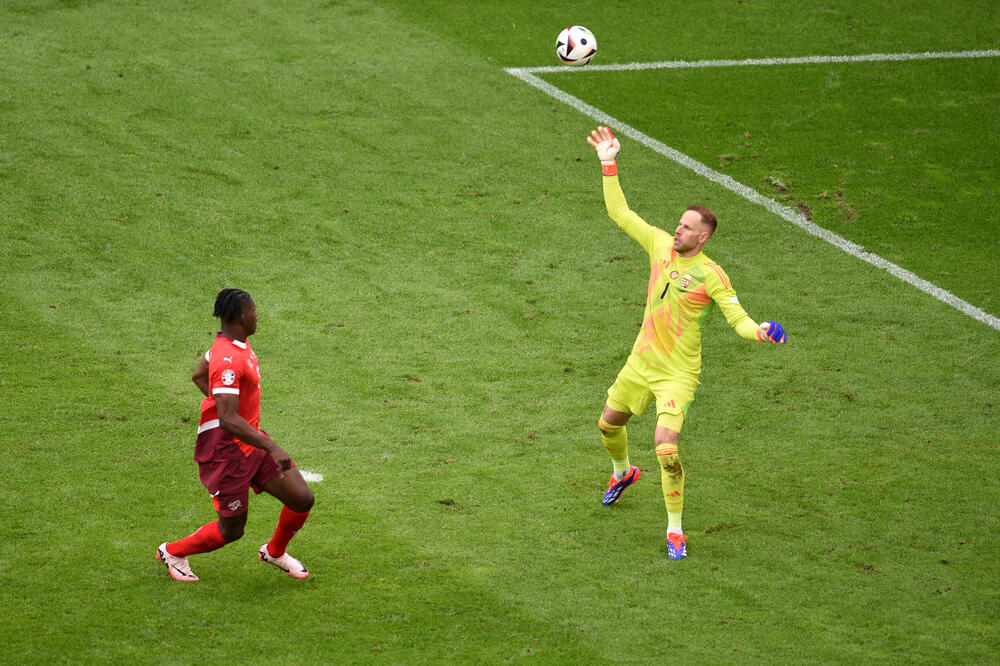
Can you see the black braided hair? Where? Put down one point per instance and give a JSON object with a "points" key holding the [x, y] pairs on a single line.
{"points": [[229, 304]]}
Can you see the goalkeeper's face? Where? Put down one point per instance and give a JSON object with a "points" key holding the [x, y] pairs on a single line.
{"points": [[691, 234]]}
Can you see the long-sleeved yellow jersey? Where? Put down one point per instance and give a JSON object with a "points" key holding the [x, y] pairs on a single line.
{"points": [[679, 296]]}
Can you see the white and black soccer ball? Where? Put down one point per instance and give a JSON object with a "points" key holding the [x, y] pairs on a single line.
{"points": [[576, 46]]}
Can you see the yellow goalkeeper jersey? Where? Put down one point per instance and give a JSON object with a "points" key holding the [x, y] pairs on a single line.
{"points": [[679, 297]]}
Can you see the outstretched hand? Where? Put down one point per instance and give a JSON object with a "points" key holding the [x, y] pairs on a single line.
{"points": [[771, 331], [605, 143]]}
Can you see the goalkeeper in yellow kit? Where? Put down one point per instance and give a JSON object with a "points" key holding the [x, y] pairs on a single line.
{"points": [[666, 359]]}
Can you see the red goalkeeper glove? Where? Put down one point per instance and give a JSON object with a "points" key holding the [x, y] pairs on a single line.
{"points": [[607, 147]]}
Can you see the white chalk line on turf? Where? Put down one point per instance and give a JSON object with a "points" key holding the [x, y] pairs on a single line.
{"points": [[753, 196], [311, 477], [759, 62]]}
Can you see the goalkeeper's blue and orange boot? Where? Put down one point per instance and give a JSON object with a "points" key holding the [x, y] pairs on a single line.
{"points": [[677, 545], [616, 487]]}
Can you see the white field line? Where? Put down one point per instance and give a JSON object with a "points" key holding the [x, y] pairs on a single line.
{"points": [[808, 60], [793, 216], [311, 477]]}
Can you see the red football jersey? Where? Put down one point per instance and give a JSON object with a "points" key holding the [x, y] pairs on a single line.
{"points": [[232, 368]]}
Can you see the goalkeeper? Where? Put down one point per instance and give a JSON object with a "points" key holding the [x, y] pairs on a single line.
{"points": [[666, 359]]}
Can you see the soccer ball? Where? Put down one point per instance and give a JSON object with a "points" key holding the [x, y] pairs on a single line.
{"points": [[576, 46]]}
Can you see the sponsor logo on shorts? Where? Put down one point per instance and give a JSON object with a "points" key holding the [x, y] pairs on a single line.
{"points": [[235, 505], [228, 377]]}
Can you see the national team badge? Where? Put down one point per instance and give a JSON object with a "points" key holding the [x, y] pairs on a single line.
{"points": [[686, 282], [673, 275], [228, 377]]}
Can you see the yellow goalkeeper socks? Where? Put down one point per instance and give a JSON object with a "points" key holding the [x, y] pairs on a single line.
{"points": [[671, 478], [615, 440]]}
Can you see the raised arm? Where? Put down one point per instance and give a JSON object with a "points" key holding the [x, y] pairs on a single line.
{"points": [[607, 147]]}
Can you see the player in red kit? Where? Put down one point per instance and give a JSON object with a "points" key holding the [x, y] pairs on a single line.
{"points": [[234, 454]]}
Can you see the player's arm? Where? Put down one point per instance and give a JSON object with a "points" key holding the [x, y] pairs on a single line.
{"points": [[200, 376], [736, 315], [607, 147], [229, 418], [724, 296], [768, 331]]}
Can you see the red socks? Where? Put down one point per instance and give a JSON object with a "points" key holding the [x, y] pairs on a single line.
{"points": [[208, 538], [289, 522], [205, 540]]}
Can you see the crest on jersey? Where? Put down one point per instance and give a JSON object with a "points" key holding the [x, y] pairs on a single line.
{"points": [[228, 377], [686, 282], [673, 275]]}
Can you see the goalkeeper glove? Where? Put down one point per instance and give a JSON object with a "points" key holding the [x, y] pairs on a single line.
{"points": [[607, 147], [771, 331]]}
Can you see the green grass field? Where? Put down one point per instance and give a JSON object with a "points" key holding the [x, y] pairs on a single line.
{"points": [[443, 302]]}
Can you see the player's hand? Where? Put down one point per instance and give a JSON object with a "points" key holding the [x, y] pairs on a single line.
{"points": [[605, 143], [281, 459], [771, 331]]}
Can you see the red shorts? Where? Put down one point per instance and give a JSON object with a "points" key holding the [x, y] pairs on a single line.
{"points": [[228, 473]]}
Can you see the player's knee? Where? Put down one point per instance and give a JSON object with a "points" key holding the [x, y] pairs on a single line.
{"points": [[302, 501], [308, 501], [670, 461], [230, 533], [608, 428]]}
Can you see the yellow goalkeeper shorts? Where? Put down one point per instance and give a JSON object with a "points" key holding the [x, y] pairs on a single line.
{"points": [[638, 384]]}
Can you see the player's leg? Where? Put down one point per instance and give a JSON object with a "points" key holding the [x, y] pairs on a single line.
{"points": [[673, 397], [210, 536], [293, 492], [230, 493], [627, 396], [671, 475], [614, 437], [231, 527], [672, 481]]}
